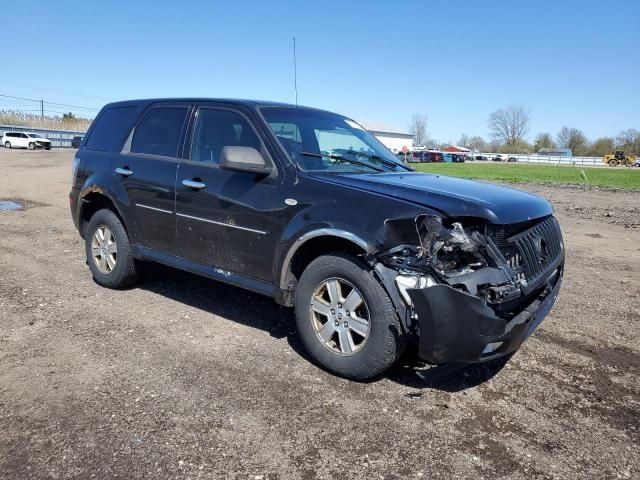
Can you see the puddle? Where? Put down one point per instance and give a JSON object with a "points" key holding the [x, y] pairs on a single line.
{"points": [[10, 205]]}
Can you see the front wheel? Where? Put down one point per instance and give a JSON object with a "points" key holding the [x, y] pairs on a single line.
{"points": [[345, 318], [32, 146], [613, 163], [109, 251]]}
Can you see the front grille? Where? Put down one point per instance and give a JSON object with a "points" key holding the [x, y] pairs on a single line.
{"points": [[531, 252]]}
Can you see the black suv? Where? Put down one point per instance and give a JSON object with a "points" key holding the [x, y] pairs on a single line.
{"points": [[76, 141], [307, 207]]}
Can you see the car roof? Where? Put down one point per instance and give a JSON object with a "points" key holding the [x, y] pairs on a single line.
{"points": [[252, 104]]}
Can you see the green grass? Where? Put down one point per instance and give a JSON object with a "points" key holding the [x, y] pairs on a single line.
{"points": [[606, 177]]}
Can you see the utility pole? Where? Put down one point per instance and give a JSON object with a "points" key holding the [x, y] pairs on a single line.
{"points": [[42, 111]]}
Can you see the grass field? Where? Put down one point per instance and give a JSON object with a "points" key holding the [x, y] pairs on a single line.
{"points": [[622, 178]]}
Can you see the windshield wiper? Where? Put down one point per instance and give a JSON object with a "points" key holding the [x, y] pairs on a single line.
{"points": [[373, 156], [336, 156]]}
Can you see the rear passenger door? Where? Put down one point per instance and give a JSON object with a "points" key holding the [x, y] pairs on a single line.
{"points": [[226, 219], [147, 169]]}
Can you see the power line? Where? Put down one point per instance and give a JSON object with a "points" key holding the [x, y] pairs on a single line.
{"points": [[70, 106], [60, 92], [50, 103]]}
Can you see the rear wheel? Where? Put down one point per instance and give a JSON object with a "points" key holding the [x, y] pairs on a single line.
{"points": [[7, 145], [613, 163], [109, 251], [345, 318]]}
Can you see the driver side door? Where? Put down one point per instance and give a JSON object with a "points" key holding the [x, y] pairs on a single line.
{"points": [[226, 219]]}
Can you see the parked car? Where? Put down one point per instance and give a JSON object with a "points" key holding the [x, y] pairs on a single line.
{"points": [[76, 141], [270, 198], [498, 158], [25, 140], [425, 156], [456, 158], [512, 159], [636, 163], [481, 158]]}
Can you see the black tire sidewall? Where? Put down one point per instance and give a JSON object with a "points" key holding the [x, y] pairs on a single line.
{"points": [[121, 275], [385, 337]]}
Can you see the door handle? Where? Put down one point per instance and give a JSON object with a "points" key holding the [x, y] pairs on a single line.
{"points": [[124, 171], [194, 184]]}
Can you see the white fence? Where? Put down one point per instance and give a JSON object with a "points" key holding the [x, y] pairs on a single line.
{"points": [[547, 159]]}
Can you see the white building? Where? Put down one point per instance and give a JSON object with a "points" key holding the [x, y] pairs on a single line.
{"points": [[394, 141]]}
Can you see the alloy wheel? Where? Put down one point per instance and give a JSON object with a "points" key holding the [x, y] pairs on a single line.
{"points": [[340, 316], [104, 249]]}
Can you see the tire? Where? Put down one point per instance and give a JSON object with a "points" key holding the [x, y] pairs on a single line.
{"points": [[111, 274], [385, 340], [7, 145], [32, 146], [613, 163]]}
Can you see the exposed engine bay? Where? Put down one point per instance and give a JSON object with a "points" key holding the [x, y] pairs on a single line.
{"points": [[471, 290], [463, 258]]}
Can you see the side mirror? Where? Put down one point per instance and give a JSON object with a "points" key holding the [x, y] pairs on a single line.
{"points": [[244, 159]]}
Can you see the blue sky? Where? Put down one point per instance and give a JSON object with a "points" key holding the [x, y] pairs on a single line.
{"points": [[573, 63]]}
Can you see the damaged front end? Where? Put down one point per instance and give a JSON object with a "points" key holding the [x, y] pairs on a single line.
{"points": [[472, 291]]}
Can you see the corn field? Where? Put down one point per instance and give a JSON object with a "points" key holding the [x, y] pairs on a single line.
{"points": [[12, 117]]}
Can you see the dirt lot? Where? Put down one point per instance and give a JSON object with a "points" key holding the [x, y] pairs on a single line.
{"points": [[182, 377]]}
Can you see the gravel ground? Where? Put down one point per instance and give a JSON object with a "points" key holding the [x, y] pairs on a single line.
{"points": [[183, 377]]}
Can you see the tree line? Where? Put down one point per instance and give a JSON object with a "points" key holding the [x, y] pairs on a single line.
{"points": [[508, 129]]}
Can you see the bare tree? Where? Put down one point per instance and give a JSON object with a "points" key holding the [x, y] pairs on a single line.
{"points": [[477, 143], [629, 141], [510, 125], [543, 140], [573, 139], [418, 128], [601, 147], [464, 140]]}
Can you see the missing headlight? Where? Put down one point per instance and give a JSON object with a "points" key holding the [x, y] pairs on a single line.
{"points": [[449, 249]]}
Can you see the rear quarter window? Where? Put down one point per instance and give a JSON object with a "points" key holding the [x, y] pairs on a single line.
{"points": [[159, 131], [108, 128]]}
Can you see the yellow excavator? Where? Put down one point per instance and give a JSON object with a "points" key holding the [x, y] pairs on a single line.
{"points": [[619, 158]]}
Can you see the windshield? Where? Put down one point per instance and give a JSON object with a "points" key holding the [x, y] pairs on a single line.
{"points": [[34, 135], [323, 141]]}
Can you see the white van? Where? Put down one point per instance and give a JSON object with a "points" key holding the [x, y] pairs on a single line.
{"points": [[25, 140]]}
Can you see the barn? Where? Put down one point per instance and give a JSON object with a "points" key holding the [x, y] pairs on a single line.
{"points": [[394, 141]]}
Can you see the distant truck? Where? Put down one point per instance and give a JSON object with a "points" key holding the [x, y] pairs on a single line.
{"points": [[619, 158]]}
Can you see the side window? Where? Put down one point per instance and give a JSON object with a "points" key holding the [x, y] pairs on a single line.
{"points": [[216, 129], [24, 135], [107, 128], [159, 131]]}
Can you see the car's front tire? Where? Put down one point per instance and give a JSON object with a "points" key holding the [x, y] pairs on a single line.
{"points": [[345, 318], [32, 146], [109, 251]]}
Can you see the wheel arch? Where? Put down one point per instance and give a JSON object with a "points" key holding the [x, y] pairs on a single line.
{"points": [[315, 243], [92, 199]]}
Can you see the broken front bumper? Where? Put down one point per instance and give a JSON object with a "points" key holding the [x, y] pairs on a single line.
{"points": [[458, 327]]}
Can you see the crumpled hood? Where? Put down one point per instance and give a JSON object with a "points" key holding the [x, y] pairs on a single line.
{"points": [[455, 197]]}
